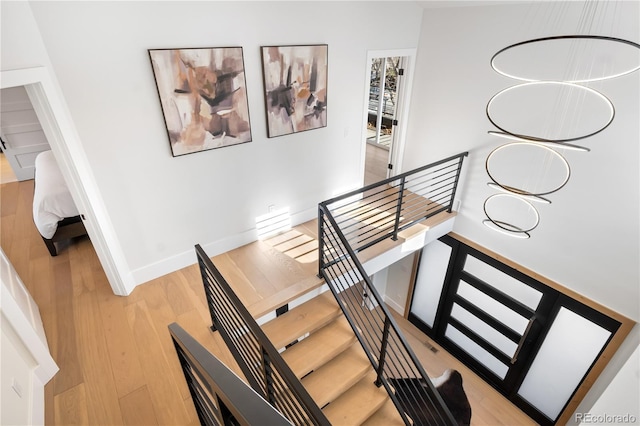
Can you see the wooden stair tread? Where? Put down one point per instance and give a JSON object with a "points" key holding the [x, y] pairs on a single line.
{"points": [[305, 318], [276, 300], [387, 415], [358, 403], [320, 347], [335, 377]]}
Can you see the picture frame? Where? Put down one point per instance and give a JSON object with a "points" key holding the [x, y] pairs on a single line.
{"points": [[295, 87], [203, 97]]}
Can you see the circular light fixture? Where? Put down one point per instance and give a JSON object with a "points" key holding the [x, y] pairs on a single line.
{"points": [[506, 227], [528, 197], [568, 58], [561, 85], [496, 227], [557, 145], [522, 191]]}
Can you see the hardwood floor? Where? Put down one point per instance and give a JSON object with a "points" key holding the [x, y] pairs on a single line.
{"points": [[117, 363], [375, 166], [6, 172]]}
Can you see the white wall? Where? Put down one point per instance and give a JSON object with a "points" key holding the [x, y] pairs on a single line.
{"points": [[24, 62], [161, 206], [21, 43], [623, 396], [588, 239]]}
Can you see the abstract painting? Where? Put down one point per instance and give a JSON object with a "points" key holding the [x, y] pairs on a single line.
{"points": [[203, 97], [295, 84]]}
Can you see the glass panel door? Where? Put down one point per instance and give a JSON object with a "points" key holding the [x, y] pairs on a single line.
{"points": [[382, 100], [528, 340], [562, 361], [381, 112]]}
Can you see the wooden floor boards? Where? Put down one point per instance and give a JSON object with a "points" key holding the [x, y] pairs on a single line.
{"points": [[117, 363], [376, 160]]}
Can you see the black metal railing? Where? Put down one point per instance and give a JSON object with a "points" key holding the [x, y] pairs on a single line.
{"points": [[220, 397], [358, 220], [260, 362], [381, 210]]}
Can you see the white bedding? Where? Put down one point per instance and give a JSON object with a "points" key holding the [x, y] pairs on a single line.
{"points": [[52, 200]]}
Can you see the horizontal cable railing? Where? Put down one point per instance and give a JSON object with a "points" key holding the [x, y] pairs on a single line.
{"points": [[379, 211], [259, 360], [358, 220], [220, 397]]}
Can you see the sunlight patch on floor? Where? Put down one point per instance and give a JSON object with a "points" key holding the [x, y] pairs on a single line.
{"points": [[296, 245]]}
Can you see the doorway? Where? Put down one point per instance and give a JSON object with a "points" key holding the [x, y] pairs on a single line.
{"points": [[21, 135], [64, 143], [537, 343], [385, 109]]}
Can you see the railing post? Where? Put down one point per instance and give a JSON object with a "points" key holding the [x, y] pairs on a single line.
{"points": [[455, 182], [397, 350], [396, 225], [209, 298], [268, 380], [383, 351], [320, 240]]}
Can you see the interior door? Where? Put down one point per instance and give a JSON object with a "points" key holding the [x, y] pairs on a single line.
{"points": [[21, 135], [385, 91]]}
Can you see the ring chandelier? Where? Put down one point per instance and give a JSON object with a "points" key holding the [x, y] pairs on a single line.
{"points": [[509, 228], [522, 191], [576, 45], [587, 92], [549, 144]]}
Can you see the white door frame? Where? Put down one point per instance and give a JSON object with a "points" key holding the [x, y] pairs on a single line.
{"points": [[402, 109], [33, 140], [65, 143]]}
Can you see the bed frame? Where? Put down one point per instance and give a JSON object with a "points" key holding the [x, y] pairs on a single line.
{"points": [[69, 227]]}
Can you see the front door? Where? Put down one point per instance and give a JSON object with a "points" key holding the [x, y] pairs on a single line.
{"points": [[530, 341], [21, 135]]}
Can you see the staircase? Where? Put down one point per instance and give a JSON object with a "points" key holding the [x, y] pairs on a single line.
{"points": [[321, 349], [306, 362]]}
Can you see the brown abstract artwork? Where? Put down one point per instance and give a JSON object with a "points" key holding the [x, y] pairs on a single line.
{"points": [[203, 97], [295, 83]]}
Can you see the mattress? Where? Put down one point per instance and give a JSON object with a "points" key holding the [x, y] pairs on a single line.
{"points": [[52, 200]]}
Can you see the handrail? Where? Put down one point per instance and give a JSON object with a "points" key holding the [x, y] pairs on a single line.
{"points": [[263, 366], [388, 205], [381, 210], [391, 179], [220, 397]]}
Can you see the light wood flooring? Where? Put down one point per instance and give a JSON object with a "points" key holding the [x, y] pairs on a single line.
{"points": [[117, 363], [375, 166], [6, 172]]}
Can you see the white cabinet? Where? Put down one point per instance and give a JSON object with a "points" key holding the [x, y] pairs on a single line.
{"points": [[26, 364]]}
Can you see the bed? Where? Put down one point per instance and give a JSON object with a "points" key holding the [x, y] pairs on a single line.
{"points": [[55, 214]]}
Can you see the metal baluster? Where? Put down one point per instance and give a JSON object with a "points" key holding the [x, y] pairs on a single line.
{"points": [[383, 351], [398, 209], [320, 241], [268, 380], [455, 185]]}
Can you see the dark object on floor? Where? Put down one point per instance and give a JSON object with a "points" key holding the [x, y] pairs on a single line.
{"points": [[449, 385], [69, 227]]}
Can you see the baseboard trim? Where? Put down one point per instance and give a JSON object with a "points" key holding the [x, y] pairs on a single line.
{"points": [[394, 305], [214, 248]]}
